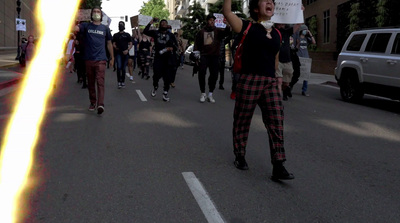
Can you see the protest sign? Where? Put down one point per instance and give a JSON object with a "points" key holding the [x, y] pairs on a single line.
{"points": [[21, 24], [175, 24], [305, 68], [144, 20], [134, 21], [83, 15], [219, 21], [288, 12], [106, 20]]}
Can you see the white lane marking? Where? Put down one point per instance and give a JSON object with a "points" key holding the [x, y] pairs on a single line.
{"points": [[7, 90], [202, 198], [141, 96]]}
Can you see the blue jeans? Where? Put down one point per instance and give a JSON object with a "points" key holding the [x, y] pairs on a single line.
{"points": [[305, 86], [121, 61], [182, 59]]}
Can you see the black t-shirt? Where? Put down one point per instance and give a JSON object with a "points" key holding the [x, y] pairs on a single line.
{"points": [[162, 40], [122, 41], [259, 51], [144, 45], [284, 52]]}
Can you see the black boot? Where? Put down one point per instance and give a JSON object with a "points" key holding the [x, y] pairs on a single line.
{"points": [[241, 163], [279, 172], [284, 92], [289, 92]]}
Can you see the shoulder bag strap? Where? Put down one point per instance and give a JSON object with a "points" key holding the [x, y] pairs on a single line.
{"points": [[245, 33]]}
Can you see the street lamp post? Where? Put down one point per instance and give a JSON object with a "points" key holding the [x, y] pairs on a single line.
{"points": [[19, 16]]}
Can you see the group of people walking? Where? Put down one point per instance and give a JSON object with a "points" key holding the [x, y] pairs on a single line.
{"points": [[266, 77]]}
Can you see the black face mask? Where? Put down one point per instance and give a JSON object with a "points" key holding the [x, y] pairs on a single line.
{"points": [[163, 29], [121, 27]]}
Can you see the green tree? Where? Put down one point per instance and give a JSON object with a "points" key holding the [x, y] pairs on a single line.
{"points": [[193, 22], [313, 26], [155, 9], [236, 8], [88, 4], [382, 13], [354, 17]]}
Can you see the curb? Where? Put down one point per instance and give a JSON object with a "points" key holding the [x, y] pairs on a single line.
{"points": [[13, 81], [9, 65], [9, 83]]}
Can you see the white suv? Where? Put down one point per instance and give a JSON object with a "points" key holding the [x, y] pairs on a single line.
{"points": [[370, 63]]}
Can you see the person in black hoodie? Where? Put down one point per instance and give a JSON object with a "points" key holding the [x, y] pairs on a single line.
{"points": [[165, 55]]}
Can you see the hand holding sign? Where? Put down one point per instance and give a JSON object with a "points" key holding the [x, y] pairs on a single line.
{"points": [[288, 12]]}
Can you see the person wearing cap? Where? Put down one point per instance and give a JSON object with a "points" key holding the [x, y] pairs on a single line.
{"points": [[208, 44], [122, 43], [97, 38], [165, 56]]}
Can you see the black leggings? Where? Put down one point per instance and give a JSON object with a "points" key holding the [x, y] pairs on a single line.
{"points": [[144, 58]]}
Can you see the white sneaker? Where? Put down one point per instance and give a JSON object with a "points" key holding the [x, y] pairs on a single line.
{"points": [[153, 92], [165, 97], [210, 99], [131, 78], [203, 97]]}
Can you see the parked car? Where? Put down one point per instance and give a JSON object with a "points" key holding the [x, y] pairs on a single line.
{"points": [[188, 51], [370, 63]]}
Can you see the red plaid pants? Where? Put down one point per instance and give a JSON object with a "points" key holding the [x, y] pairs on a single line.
{"points": [[253, 90]]}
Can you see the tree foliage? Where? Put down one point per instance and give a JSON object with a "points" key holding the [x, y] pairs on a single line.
{"points": [[155, 9], [382, 13], [89, 4], [236, 8], [313, 27], [354, 17], [195, 19]]}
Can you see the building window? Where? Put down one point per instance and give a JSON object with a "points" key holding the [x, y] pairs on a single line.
{"points": [[327, 15], [310, 1]]}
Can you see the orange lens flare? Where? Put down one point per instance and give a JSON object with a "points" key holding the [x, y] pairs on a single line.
{"points": [[17, 149]]}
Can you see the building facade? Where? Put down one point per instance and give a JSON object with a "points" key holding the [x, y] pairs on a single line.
{"points": [[325, 12], [8, 14]]}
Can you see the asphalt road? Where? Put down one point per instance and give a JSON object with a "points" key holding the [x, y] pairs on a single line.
{"points": [[128, 165]]}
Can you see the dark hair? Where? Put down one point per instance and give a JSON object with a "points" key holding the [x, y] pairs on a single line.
{"points": [[91, 13], [210, 16], [163, 20], [253, 4]]}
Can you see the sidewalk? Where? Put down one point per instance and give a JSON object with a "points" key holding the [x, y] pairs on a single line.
{"points": [[9, 76], [8, 67]]}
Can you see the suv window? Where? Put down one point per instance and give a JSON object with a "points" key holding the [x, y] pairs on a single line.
{"points": [[396, 45], [356, 42], [378, 42]]}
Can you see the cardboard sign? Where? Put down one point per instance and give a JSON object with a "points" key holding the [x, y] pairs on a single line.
{"points": [[134, 21], [219, 21], [83, 15], [305, 67], [21, 24], [288, 12]]}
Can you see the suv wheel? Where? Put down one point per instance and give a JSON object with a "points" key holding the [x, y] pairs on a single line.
{"points": [[351, 89]]}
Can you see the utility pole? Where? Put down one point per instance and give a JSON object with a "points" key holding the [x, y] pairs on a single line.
{"points": [[18, 43]]}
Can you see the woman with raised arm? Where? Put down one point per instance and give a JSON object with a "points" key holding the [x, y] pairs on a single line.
{"points": [[144, 54], [257, 84]]}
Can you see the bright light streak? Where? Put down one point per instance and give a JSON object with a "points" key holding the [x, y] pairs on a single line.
{"points": [[16, 158]]}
